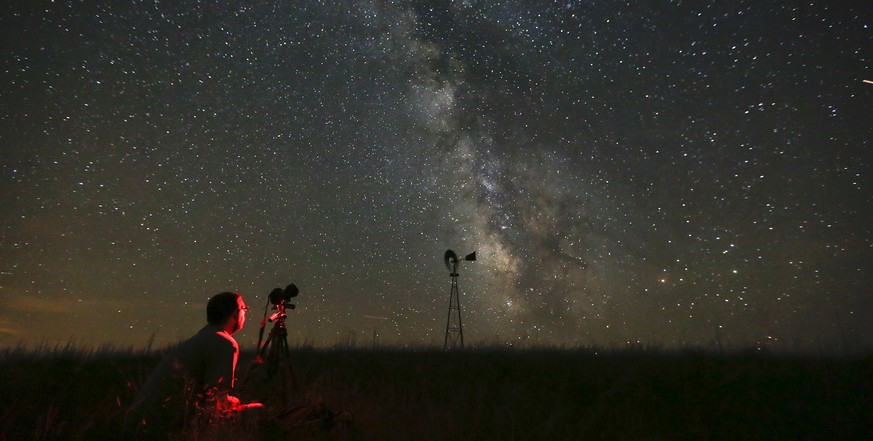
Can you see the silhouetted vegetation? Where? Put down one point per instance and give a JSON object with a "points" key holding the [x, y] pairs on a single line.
{"points": [[486, 394]]}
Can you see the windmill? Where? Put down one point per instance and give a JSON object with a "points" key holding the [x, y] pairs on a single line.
{"points": [[454, 327]]}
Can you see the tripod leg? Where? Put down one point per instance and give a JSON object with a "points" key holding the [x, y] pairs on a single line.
{"points": [[289, 367], [263, 349], [273, 361], [271, 377], [279, 372]]}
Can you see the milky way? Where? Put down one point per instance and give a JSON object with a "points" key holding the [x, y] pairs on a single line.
{"points": [[682, 173]]}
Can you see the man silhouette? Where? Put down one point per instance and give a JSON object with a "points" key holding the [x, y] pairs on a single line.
{"points": [[192, 385]]}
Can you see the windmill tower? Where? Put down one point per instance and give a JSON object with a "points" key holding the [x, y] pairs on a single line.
{"points": [[454, 326]]}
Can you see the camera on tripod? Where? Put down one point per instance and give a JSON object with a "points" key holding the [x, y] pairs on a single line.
{"points": [[279, 298], [274, 353]]}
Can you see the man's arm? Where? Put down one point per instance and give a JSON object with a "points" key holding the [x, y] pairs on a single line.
{"points": [[221, 375], [221, 369]]}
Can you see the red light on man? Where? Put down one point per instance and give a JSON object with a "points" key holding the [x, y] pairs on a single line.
{"points": [[193, 384]]}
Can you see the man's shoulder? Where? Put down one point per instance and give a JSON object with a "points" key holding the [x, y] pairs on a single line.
{"points": [[213, 337]]}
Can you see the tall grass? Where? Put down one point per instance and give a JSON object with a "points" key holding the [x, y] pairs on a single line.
{"points": [[485, 394], [68, 392]]}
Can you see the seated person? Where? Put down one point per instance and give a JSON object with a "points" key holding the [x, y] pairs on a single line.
{"points": [[194, 381]]}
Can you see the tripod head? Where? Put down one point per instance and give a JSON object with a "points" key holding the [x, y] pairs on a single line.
{"points": [[280, 315]]}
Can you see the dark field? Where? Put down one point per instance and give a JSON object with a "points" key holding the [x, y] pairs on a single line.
{"points": [[585, 394]]}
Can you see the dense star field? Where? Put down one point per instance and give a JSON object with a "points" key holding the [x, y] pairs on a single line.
{"points": [[669, 173]]}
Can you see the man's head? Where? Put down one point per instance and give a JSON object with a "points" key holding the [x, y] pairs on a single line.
{"points": [[227, 311]]}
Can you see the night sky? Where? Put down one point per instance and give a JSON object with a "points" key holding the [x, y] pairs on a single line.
{"points": [[662, 173]]}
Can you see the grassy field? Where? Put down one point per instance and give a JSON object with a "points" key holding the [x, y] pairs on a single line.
{"points": [[483, 394]]}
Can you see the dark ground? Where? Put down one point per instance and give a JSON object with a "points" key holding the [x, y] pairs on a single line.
{"points": [[393, 394]]}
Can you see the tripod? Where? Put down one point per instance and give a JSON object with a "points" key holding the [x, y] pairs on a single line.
{"points": [[280, 380], [277, 342]]}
